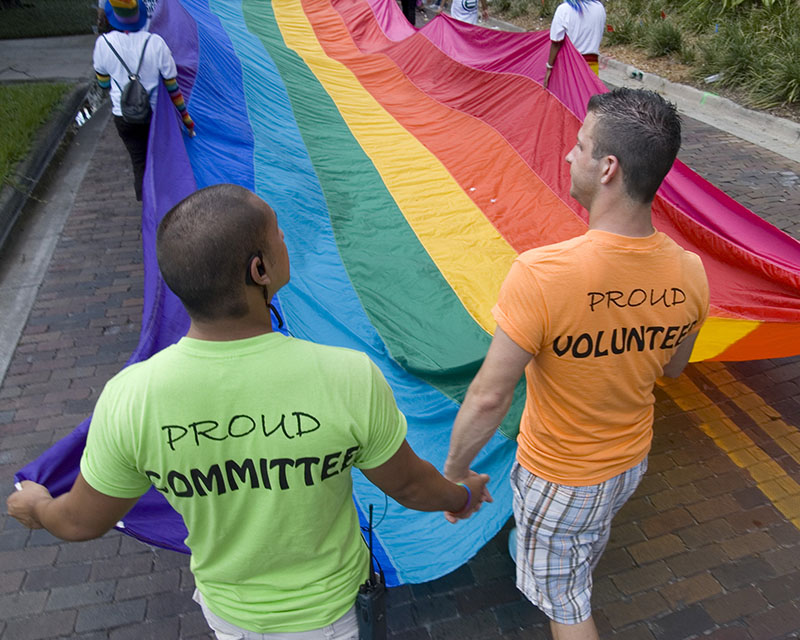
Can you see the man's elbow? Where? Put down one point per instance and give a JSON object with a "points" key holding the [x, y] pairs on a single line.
{"points": [[672, 372], [75, 527], [674, 369], [411, 498], [80, 532], [414, 493], [491, 401]]}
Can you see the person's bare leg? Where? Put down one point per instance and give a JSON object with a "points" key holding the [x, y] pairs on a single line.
{"points": [[582, 631]]}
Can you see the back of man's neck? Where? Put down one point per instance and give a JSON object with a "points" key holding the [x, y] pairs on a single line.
{"points": [[224, 331], [621, 229], [624, 219]]}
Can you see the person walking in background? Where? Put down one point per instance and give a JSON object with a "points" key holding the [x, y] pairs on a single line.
{"points": [[251, 436], [583, 22], [147, 55], [467, 10], [410, 10], [592, 322]]}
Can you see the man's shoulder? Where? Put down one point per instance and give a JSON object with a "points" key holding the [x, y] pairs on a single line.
{"points": [[101, 47], [550, 252], [692, 259], [140, 371], [689, 258], [331, 361], [156, 45], [153, 39], [124, 42], [562, 9], [595, 9], [135, 39], [561, 14], [334, 354], [696, 273]]}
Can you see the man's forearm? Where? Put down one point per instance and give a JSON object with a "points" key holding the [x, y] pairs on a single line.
{"points": [[35, 508], [55, 515], [487, 402], [432, 492], [475, 424], [416, 484], [555, 47], [80, 514]]}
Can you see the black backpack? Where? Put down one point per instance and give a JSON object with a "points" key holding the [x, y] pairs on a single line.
{"points": [[134, 101]]}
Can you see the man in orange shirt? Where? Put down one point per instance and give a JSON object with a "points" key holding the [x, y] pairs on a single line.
{"points": [[592, 322]]}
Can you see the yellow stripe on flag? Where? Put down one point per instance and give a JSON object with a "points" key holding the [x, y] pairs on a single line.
{"points": [[469, 252], [717, 334]]}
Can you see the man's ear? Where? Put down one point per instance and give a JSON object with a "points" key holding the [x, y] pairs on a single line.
{"points": [[609, 168], [258, 271]]}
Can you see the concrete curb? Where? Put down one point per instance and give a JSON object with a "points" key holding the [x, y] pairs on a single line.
{"points": [[24, 261], [30, 171], [776, 134]]}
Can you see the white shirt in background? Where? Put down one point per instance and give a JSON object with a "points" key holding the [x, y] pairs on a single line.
{"points": [[157, 63], [585, 30]]}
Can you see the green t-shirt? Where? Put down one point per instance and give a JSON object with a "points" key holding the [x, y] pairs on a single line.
{"points": [[252, 442]]}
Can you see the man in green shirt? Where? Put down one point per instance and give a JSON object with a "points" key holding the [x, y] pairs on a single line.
{"points": [[250, 435]]}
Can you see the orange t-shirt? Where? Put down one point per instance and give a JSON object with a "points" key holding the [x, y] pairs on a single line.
{"points": [[602, 314]]}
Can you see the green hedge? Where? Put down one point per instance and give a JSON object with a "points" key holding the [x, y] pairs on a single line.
{"points": [[752, 46], [44, 18]]}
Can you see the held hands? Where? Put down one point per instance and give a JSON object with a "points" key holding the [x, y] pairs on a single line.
{"points": [[476, 484], [22, 503]]}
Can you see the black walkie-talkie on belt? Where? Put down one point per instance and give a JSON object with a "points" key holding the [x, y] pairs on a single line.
{"points": [[371, 600]]}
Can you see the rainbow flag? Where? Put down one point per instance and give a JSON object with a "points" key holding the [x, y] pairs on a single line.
{"points": [[408, 169]]}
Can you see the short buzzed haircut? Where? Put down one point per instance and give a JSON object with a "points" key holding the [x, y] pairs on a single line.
{"points": [[643, 131], [203, 245]]}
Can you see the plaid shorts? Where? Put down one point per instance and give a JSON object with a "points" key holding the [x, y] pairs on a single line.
{"points": [[561, 533]]}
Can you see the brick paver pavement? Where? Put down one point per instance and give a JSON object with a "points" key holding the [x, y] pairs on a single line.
{"points": [[81, 331], [706, 548]]}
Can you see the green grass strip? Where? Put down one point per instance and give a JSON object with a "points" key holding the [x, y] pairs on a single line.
{"points": [[23, 110]]}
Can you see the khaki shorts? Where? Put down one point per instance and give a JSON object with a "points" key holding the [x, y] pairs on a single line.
{"points": [[345, 628]]}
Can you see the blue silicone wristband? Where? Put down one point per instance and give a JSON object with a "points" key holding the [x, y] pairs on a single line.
{"points": [[469, 498]]}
